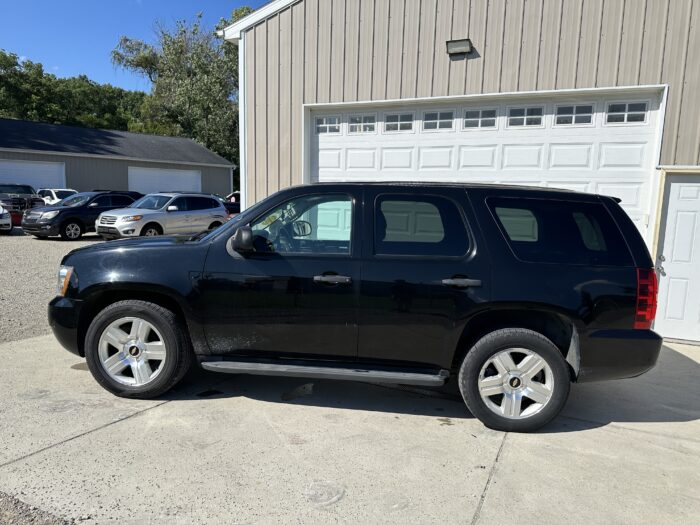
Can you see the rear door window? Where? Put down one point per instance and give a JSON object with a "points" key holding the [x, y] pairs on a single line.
{"points": [[564, 232], [419, 226], [121, 200]]}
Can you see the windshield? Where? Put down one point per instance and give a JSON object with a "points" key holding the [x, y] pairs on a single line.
{"points": [[151, 202], [62, 194], [16, 188], [76, 200]]}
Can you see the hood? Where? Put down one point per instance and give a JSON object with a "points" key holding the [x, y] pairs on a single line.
{"points": [[124, 212], [131, 245]]}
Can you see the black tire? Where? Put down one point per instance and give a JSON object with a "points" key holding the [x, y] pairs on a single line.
{"points": [[214, 224], [151, 229], [513, 338], [179, 353], [69, 229]]}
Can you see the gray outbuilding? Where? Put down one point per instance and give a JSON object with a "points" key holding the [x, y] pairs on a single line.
{"points": [[55, 156]]}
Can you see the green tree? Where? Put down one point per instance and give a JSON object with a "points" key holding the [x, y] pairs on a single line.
{"points": [[195, 83]]}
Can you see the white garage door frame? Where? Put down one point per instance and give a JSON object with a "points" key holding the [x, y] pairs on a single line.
{"points": [[27, 165], [645, 212], [163, 179]]}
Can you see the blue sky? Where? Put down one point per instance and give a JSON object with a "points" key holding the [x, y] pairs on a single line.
{"points": [[72, 37]]}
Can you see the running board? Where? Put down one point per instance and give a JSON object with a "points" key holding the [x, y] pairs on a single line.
{"points": [[366, 375]]}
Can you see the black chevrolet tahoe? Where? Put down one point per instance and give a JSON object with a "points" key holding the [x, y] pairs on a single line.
{"points": [[513, 293]]}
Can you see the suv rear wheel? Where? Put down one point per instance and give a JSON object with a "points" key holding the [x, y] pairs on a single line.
{"points": [[137, 349], [514, 380], [71, 231]]}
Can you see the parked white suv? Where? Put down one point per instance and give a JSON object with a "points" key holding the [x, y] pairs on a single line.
{"points": [[54, 195], [163, 214]]}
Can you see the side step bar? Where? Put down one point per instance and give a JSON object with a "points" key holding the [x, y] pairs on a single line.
{"points": [[366, 375]]}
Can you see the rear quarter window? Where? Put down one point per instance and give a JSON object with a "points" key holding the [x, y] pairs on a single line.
{"points": [[561, 232]]}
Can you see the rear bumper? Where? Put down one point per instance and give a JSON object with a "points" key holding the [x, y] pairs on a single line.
{"points": [[63, 320], [617, 354]]}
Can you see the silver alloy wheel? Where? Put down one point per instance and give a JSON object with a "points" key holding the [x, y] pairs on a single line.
{"points": [[134, 357], [516, 383], [151, 232], [72, 230]]}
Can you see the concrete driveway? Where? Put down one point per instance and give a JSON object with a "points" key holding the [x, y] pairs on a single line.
{"points": [[242, 449]]}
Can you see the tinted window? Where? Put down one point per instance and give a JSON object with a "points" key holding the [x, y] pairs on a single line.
{"points": [[313, 224], [104, 200], [16, 188], [121, 200], [151, 202], [62, 194], [43, 193], [181, 203], [564, 232], [201, 203], [408, 225]]}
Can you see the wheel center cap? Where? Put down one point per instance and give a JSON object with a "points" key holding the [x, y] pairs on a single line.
{"points": [[134, 351], [515, 382]]}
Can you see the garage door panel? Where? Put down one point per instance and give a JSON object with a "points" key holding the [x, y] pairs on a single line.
{"points": [[154, 180], [616, 160], [36, 174]]}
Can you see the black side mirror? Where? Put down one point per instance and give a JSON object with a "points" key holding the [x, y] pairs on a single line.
{"points": [[243, 240], [301, 228]]}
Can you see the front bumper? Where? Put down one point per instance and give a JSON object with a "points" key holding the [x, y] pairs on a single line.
{"points": [[40, 229], [6, 224], [119, 230], [617, 354], [63, 320]]}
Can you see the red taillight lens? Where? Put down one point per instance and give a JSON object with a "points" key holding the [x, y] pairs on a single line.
{"points": [[647, 286]]}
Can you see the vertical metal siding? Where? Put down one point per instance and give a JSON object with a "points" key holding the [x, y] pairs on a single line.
{"points": [[352, 50]]}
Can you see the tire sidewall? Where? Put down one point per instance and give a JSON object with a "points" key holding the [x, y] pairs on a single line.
{"points": [[500, 340], [167, 331], [65, 225]]}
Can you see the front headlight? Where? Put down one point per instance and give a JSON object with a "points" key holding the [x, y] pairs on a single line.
{"points": [[132, 218], [49, 214], [64, 275]]}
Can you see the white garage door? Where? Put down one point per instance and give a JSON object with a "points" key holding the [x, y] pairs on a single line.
{"points": [[153, 180], [36, 174], [584, 142]]}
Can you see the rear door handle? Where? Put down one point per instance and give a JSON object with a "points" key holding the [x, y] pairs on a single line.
{"points": [[332, 279], [459, 282]]}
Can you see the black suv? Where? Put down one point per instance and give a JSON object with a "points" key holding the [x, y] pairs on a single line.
{"points": [[76, 215], [512, 292]]}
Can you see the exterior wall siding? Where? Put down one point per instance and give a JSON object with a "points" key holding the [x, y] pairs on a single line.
{"points": [[317, 51], [89, 173]]}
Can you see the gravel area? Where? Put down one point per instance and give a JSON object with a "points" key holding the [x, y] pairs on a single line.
{"points": [[28, 268], [16, 512]]}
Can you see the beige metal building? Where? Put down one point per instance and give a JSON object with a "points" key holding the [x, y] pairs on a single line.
{"points": [[600, 96], [52, 156]]}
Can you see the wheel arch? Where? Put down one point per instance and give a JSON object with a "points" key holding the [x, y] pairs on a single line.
{"points": [[152, 223], [98, 300], [554, 325]]}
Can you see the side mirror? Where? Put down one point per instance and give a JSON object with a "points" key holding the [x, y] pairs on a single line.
{"points": [[301, 228], [242, 241], [172, 208], [92, 205]]}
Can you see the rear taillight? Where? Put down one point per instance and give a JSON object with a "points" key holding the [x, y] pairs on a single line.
{"points": [[647, 286]]}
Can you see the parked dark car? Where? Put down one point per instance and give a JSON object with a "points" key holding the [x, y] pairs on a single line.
{"points": [[16, 198], [74, 216], [511, 292]]}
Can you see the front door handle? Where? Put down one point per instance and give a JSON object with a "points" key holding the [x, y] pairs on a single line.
{"points": [[461, 282], [332, 279]]}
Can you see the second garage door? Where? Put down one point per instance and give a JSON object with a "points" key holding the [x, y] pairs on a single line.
{"points": [[153, 180], [599, 143]]}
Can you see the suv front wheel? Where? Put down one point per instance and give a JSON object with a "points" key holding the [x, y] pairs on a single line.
{"points": [[515, 380], [137, 349]]}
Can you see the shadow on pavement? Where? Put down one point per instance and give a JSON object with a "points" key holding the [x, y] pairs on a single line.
{"points": [[668, 393]]}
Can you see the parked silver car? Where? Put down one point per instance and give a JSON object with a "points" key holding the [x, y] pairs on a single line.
{"points": [[163, 214]]}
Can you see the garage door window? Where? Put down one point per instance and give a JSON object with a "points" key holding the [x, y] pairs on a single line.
{"points": [[571, 115], [626, 112], [327, 125], [418, 226], [362, 124], [438, 120], [479, 118], [548, 231], [398, 122], [525, 117]]}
